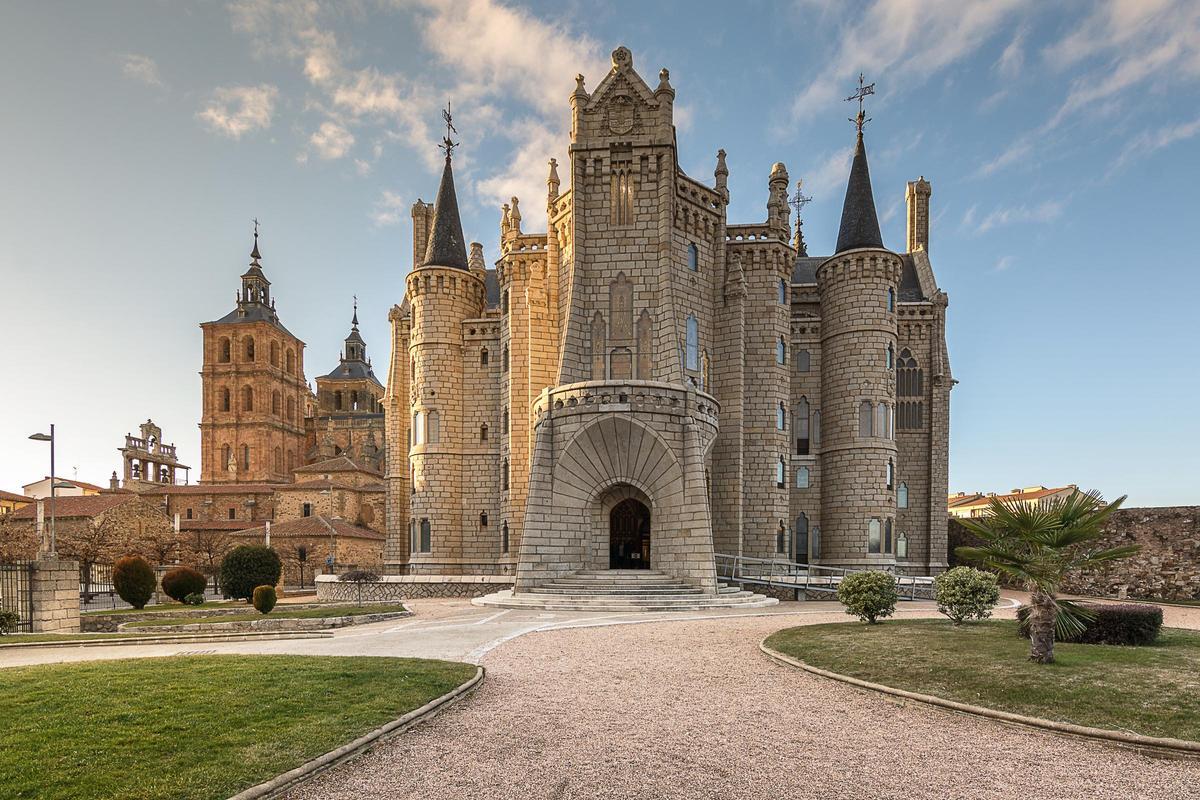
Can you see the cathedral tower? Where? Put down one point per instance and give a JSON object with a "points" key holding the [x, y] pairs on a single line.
{"points": [[252, 423], [858, 288], [349, 409], [441, 293]]}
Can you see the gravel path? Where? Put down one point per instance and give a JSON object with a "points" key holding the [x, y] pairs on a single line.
{"points": [[693, 710]]}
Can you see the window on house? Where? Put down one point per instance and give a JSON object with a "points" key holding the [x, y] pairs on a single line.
{"points": [[692, 338], [483, 519], [780, 473], [873, 536], [902, 496], [800, 423], [426, 536], [780, 417], [865, 412], [781, 351], [306, 511], [803, 361], [802, 478], [233, 513], [782, 292], [189, 513], [693, 257], [504, 538]]}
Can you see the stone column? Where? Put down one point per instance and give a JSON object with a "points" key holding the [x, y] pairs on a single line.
{"points": [[55, 596]]}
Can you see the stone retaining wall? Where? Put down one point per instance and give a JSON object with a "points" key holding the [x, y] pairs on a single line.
{"points": [[1166, 568], [55, 593], [110, 623], [402, 587], [268, 623]]}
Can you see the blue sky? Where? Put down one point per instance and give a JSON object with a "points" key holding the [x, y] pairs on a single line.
{"points": [[1062, 141]]}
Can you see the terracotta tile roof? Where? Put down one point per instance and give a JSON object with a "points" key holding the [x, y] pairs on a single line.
{"points": [[88, 505], [217, 488], [986, 499], [318, 483], [90, 487], [211, 524], [335, 464], [14, 497], [316, 525]]}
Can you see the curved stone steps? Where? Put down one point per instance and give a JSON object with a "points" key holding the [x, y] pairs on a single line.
{"points": [[624, 591]]}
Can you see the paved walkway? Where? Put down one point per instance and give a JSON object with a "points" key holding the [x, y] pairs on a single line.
{"points": [[691, 709]]}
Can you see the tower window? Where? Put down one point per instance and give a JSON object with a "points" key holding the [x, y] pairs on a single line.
{"points": [[692, 342], [483, 432], [291, 362], [780, 417], [803, 361], [245, 456], [802, 537], [504, 302], [781, 539], [249, 349], [909, 385], [225, 355], [800, 422], [483, 519], [504, 426], [247, 399], [802, 477], [873, 536], [504, 361], [902, 546], [780, 473], [504, 537], [337, 401], [225, 400], [483, 357], [693, 257], [902, 496], [504, 477], [227, 458], [887, 535], [306, 511], [275, 403], [891, 474], [274, 354], [782, 292], [426, 536], [814, 543], [890, 357], [891, 299], [291, 409], [865, 412], [880, 428], [781, 351], [433, 423]]}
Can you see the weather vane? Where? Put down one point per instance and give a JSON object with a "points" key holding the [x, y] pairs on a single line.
{"points": [[256, 227], [799, 201], [447, 144], [862, 93]]}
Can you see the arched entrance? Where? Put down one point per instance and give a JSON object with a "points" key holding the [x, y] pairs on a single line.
{"points": [[629, 535]]}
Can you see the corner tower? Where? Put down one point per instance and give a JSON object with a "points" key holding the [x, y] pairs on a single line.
{"points": [[440, 293], [858, 288], [252, 422]]}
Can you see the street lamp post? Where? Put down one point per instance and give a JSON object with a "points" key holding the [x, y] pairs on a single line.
{"points": [[49, 437]]}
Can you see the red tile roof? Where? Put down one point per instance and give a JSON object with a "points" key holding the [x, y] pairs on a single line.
{"points": [[88, 505], [317, 525], [14, 497], [211, 524], [217, 488], [335, 464]]}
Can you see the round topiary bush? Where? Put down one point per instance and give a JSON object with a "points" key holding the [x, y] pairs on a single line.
{"points": [[868, 595], [194, 599], [133, 579], [182, 581], [248, 566], [264, 598], [966, 593]]}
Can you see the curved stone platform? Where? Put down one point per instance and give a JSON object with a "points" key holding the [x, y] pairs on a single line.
{"points": [[623, 591]]}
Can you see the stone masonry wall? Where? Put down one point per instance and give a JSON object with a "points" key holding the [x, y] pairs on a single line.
{"points": [[55, 597]]}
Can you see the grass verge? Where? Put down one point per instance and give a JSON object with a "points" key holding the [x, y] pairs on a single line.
{"points": [[164, 608], [1152, 690], [195, 728], [280, 612], [37, 638]]}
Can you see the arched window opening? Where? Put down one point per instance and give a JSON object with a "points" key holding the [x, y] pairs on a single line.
{"points": [[781, 473], [225, 401], [902, 546], [278, 459], [692, 339], [814, 543], [483, 519], [433, 423], [902, 496], [504, 361], [816, 429], [693, 257], [247, 398], [504, 302], [887, 535], [246, 456], [274, 354], [226, 351], [276, 403], [865, 410], [890, 357], [873, 536], [910, 389], [504, 537], [800, 422], [802, 478], [291, 460], [781, 351], [880, 428], [290, 360], [891, 300], [291, 409], [781, 539], [354, 401], [483, 432], [803, 361], [418, 428], [504, 421], [780, 417], [337, 400], [483, 357], [249, 348], [782, 292], [226, 458], [891, 474], [426, 536], [802, 538], [504, 477]]}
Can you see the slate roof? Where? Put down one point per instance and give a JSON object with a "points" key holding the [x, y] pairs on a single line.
{"points": [[805, 271], [352, 370], [491, 284], [252, 312], [860, 225], [447, 247]]}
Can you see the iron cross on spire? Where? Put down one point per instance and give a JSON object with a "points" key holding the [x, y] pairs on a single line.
{"points": [[447, 144], [798, 200], [860, 95]]}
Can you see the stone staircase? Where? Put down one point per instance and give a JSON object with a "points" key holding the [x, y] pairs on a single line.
{"points": [[623, 590]]}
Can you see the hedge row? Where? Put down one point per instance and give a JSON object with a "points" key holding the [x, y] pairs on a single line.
{"points": [[1112, 623]]}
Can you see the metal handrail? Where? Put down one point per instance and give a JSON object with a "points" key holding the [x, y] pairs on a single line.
{"points": [[794, 575]]}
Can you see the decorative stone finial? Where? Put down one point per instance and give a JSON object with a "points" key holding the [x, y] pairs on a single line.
{"points": [[552, 181], [515, 216], [622, 58], [664, 81], [579, 92]]}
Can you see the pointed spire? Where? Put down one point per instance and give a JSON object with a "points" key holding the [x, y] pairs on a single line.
{"points": [[254, 254], [354, 321], [860, 224], [552, 182], [446, 246]]}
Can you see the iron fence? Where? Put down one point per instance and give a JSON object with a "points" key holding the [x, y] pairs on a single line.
{"points": [[16, 593]]}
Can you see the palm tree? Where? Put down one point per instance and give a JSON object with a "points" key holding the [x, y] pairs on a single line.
{"points": [[1039, 545]]}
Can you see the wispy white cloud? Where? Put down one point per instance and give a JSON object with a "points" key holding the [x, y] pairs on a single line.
{"points": [[389, 209], [1003, 263], [234, 111], [1149, 141], [331, 140], [142, 69], [1047, 211], [362, 167], [1012, 60], [908, 41]]}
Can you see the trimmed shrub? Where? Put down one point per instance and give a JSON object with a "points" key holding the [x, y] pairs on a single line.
{"points": [[966, 593], [248, 566], [133, 579], [868, 595], [8, 622], [264, 598], [194, 599], [182, 581], [1130, 624]]}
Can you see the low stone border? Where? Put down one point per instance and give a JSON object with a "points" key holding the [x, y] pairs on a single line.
{"points": [[1161, 745], [155, 639], [281, 783], [97, 622], [267, 623], [407, 587]]}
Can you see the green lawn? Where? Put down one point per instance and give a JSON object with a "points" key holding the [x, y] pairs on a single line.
{"points": [[280, 612], [34, 638], [194, 728], [1151, 690]]}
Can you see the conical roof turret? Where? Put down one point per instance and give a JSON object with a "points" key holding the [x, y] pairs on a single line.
{"points": [[446, 244], [860, 224]]}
